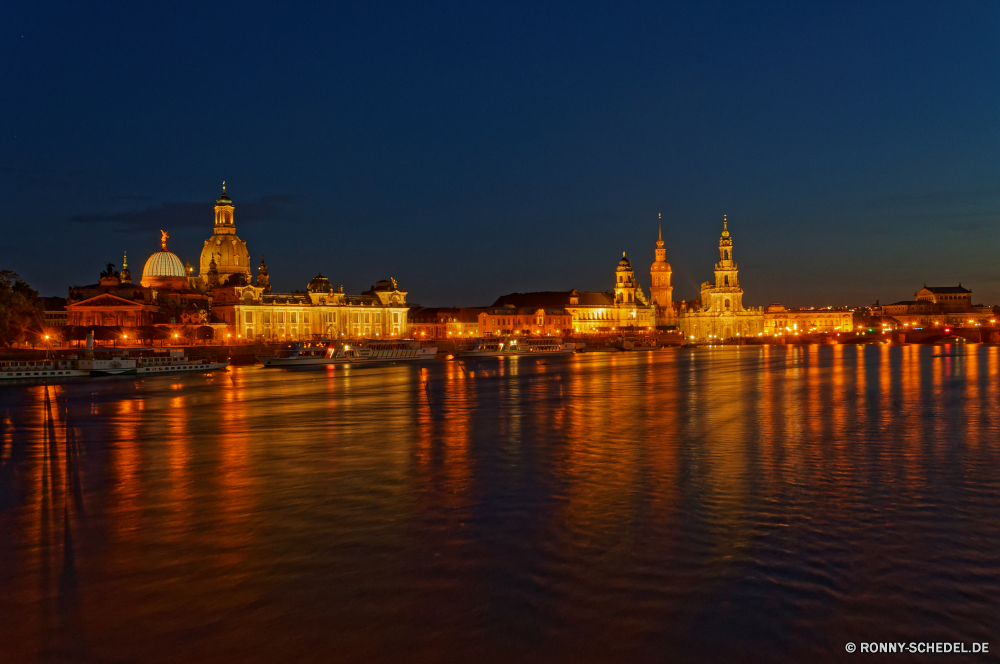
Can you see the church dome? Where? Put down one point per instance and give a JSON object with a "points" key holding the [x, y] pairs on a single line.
{"points": [[624, 264], [319, 284], [230, 253], [163, 264], [164, 269]]}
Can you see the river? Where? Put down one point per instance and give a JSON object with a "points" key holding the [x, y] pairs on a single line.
{"points": [[751, 504]]}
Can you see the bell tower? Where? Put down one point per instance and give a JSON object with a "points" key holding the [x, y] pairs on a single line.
{"points": [[625, 287], [727, 294], [661, 292]]}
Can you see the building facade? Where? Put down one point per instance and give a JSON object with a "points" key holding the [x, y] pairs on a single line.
{"points": [[720, 314], [590, 312], [498, 321], [251, 314], [936, 305], [443, 322], [781, 321]]}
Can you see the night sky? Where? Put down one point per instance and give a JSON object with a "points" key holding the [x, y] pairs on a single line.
{"points": [[477, 149]]}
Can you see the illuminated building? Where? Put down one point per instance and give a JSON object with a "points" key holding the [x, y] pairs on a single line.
{"points": [[54, 312], [936, 305], [443, 322], [624, 308], [223, 296], [321, 311], [720, 313], [509, 319], [778, 320], [661, 293], [163, 296]]}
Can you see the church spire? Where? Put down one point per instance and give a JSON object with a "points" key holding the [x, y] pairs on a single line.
{"points": [[125, 275]]}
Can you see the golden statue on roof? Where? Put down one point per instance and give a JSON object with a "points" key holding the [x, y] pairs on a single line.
{"points": [[163, 239]]}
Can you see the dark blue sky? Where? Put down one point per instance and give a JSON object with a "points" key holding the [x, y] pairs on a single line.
{"points": [[476, 149]]}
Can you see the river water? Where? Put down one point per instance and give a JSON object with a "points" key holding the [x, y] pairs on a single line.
{"points": [[750, 504]]}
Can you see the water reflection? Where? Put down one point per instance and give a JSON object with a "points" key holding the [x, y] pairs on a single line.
{"points": [[758, 504]]}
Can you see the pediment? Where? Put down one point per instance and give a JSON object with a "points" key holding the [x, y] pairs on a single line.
{"points": [[106, 301]]}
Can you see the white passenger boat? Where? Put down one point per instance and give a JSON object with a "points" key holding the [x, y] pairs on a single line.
{"points": [[25, 369], [503, 346], [111, 363], [322, 351], [174, 360]]}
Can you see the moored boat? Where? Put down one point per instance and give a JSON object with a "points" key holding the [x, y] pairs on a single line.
{"points": [[638, 343], [110, 363], [175, 360], [504, 346], [25, 369], [322, 351]]}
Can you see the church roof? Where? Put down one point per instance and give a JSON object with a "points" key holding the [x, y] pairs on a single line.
{"points": [[163, 264], [947, 289], [554, 299]]}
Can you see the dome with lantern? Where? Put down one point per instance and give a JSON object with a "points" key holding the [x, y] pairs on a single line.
{"points": [[229, 252]]}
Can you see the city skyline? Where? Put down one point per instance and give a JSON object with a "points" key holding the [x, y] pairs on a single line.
{"points": [[852, 148], [646, 287]]}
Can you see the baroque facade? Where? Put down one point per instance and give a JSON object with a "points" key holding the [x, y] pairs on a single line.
{"points": [[781, 321], [720, 314], [224, 296], [320, 311]]}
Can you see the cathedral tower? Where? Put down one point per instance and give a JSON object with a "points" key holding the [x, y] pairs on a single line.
{"points": [[726, 293], [625, 288], [661, 292]]}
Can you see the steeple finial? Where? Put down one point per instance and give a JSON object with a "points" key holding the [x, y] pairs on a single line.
{"points": [[623, 254], [223, 186], [125, 260], [724, 223], [163, 239]]}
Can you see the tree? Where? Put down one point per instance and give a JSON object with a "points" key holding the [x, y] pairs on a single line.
{"points": [[20, 308]]}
